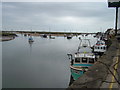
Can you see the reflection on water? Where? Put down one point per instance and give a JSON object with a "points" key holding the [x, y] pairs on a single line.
{"points": [[71, 80], [30, 43], [41, 64]]}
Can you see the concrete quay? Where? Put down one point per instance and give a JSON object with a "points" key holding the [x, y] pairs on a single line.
{"points": [[105, 73]]}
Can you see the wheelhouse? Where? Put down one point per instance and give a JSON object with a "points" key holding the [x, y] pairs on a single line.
{"points": [[84, 60]]}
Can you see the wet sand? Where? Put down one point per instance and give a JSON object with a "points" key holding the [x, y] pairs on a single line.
{"points": [[6, 38]]}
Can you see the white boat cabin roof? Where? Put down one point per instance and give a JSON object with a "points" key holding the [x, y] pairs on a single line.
{"points": [[84, 55], [85, 49]]}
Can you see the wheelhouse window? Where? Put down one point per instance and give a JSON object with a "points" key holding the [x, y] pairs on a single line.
{"points": [[91, 60], [77, 60], [84, 60], [104, 48], [98, 42]]}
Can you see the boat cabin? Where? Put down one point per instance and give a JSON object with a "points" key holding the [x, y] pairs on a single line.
{"points": [[84, 58], [100, 47]]}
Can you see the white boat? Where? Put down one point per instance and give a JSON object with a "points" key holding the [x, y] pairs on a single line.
{"points": [[30, 39], [100, 47], [82, 60], [51, 37]]}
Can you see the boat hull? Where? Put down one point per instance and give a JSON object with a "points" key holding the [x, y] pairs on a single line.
{"points": [[69, 37], [78, 72]]}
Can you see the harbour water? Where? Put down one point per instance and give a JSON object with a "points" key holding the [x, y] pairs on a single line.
{"points": [[41, 64]]}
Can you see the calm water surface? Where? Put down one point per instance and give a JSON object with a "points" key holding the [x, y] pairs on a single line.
{"points": [[42, 64]]}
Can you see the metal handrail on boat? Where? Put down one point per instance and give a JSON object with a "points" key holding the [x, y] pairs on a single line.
{"points": [[80, 45]]}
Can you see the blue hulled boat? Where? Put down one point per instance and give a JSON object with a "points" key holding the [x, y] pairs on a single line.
{"points": [[30, 39]]}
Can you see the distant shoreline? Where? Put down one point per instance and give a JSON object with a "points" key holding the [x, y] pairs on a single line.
{"points": [[45, 32], [10, 35], [5, 36], [36, 33]]}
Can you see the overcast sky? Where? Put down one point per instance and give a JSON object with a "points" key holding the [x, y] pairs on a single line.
{"points": [[57, 16]]}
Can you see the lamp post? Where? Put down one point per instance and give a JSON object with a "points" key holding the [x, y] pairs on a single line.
{"points": [[116, 4], [116, 21]]}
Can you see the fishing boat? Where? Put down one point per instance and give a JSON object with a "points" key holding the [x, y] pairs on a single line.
{"points": [[79, 38], [51, 37], [69, 36], [100, 47], [44, 36], [25, 34], [82, 60], [30, 39]]}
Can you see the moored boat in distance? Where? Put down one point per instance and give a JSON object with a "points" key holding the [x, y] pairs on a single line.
{"points": [[69, 36], [25, 34], [51, 37], [30, 39], [44, 35], [79, 38], [83, 59]]}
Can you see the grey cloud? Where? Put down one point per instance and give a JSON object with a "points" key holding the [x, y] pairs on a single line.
{"points": [[58, 9], [47, 14]]}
